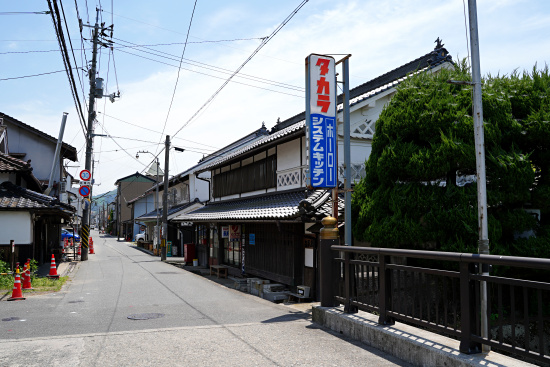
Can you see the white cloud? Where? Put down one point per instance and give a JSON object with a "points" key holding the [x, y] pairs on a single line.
{"points": [[380, 36]]}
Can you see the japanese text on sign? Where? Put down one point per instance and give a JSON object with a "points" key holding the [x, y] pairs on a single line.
{"points": [[321, 119]]}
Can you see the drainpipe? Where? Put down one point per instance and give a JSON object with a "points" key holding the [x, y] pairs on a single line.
{"points": [[205, 180], [57, 152]]}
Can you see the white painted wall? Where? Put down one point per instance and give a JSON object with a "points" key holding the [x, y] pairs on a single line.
{"points": [[288, 155], [199, 188], [16, 226], [38, 150]]}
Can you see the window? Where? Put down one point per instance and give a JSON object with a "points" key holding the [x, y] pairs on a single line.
{"points": [[258, 175]]}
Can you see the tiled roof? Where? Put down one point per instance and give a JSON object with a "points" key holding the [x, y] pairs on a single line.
{"points": [[13, 197], [67, 151], [135, 176], [366, 90], [171, 211], [275, 136], [11, 164], [266, 207]]}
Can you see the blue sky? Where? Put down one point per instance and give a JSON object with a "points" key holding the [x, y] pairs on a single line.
{"points": [[380, 35]]}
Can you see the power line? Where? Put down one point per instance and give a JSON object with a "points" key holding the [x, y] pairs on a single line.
{"points": [[23, 12], [71, 44], [56, 19], [208, 67], [179, 69], [33, 75], [213, 76], [264, 42], [157, 132], [170, 30], [123, 46]]}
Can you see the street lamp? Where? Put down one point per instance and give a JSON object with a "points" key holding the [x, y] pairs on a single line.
{"points": [[157, 194]]}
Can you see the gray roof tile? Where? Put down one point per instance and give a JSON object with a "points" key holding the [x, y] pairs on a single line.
{"points": [[272, 206]]}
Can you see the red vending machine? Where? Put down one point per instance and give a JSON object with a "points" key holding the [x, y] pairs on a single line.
{"points": [[189, 252]]}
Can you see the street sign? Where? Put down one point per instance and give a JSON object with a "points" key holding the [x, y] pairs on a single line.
{"points": [[84, 191], [85, 175]]}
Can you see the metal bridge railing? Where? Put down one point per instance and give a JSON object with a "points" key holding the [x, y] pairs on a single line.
{"points": [[440, 291]]}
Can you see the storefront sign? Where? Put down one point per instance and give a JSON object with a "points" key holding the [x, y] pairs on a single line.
{"points": [[225, 231], [321, 121], [234, 232]]}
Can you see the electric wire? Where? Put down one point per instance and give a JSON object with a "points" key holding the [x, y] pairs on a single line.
{"points": [[56, 19], [221, 42], [33, 75], [179, 69], [157, 132], [264, 42], [24, 12], [209, 67], [71, 45], [213, 76]]}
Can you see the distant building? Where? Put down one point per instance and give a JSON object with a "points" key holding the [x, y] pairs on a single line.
{"points": [[128, 188]]}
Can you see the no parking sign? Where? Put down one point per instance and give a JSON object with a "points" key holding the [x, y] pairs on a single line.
{"points": [[84, 191]]}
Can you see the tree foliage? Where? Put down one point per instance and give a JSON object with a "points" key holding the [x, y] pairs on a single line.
{"points": [[424, 141]]}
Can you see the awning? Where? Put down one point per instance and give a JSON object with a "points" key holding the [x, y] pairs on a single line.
{"points": [[173, 212], [277, 206]]}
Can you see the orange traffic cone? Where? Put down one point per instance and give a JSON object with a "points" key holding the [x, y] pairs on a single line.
{"points": [[78, 253], [91, 246], [17, 294], [53, 269], [27, 281]]}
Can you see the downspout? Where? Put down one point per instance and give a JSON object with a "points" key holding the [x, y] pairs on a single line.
{"points": [[57, 152], [205, 180]]}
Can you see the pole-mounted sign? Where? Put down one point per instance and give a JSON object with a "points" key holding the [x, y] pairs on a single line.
{"points": [[85, 175], [321, 121], [84, 191]]}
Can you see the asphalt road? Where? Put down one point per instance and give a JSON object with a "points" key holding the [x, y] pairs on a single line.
{"points": [[198, 322]]}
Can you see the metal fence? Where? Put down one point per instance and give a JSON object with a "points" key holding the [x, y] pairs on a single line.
{"points": [[440, 291]]}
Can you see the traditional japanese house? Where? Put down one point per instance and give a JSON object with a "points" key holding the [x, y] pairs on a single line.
{"points": [[261, 219]]}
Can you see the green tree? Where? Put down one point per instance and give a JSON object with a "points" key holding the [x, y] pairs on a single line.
{"points": [[424, 140]]}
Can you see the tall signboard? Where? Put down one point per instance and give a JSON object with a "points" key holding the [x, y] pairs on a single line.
{"points": [[321, 121]]}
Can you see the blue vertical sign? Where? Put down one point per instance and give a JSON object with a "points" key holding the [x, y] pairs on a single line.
{"points": [[321, 121]]}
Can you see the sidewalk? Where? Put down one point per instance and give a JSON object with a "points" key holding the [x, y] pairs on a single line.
{"points": [[63, 268], [416, 346]]}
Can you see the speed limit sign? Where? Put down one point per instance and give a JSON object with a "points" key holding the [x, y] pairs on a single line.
{"points": [[85, 175]]}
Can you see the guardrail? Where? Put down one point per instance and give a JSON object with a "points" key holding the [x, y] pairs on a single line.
{"points": [[444, 296]]}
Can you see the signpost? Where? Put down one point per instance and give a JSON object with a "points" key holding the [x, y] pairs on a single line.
{"points": [[84, 191], [321, 121], [85, 175]]}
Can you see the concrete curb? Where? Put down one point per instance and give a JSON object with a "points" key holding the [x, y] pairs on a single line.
{"points": [[413, 345]]}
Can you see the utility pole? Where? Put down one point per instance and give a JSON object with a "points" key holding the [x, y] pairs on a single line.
{"points": [[165, 199], [483, 242], [85, 231]]}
